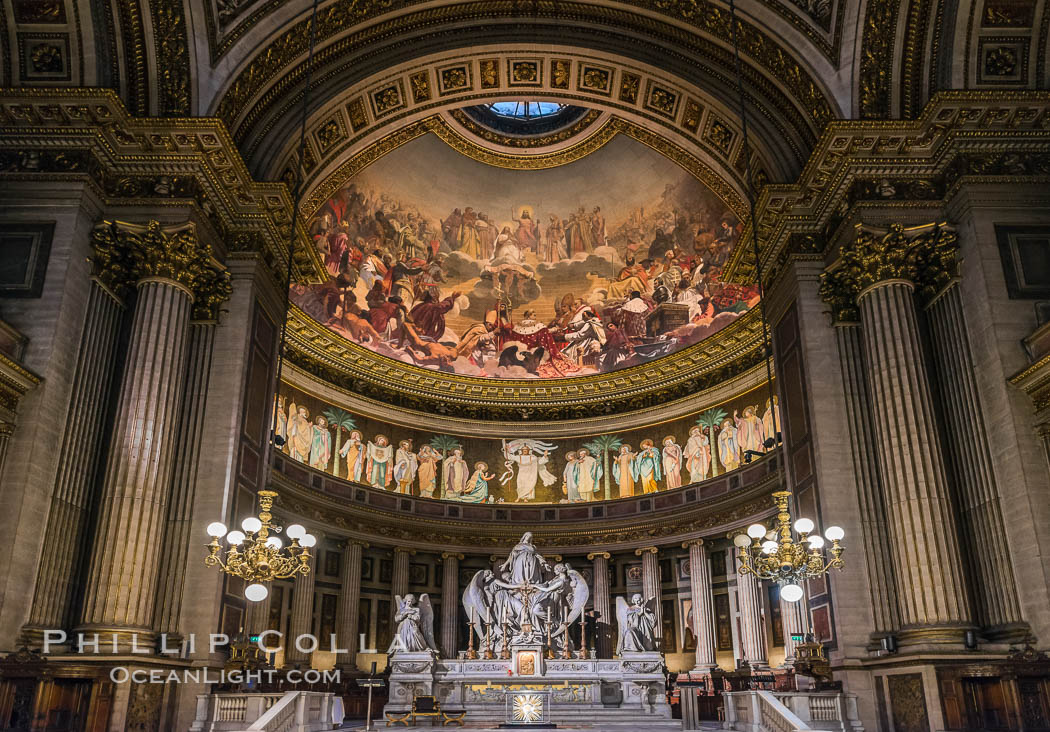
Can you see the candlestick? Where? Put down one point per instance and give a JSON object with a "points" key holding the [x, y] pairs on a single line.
{"points": [[505, 651], [488, 654], [550, 622], [565, 640], [471, 653], [583, 634]]}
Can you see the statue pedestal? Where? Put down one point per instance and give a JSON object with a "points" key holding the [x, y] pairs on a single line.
{"points": [[411, 675]]}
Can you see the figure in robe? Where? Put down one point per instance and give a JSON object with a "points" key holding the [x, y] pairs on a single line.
{"points": [[697, 455], [749, 431], [300, 435], [354, 452], [524, 563], [528, 233], [637, 624], [530, 468], [280, 424], [415, 625], [569, 476], [320, 444], [429, 315], [598, 227], [589, 472], [405, 466], [623, 472], [380, 453], [554, 242], [646, 467], [672, 463], [428, 460], [478, 485], [585, 337], [456, 473], [634, 314], [468, 240], [728, 448], [772, 415]]}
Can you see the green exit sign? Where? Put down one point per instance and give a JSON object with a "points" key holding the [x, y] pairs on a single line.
{"points": [[796, 637]]}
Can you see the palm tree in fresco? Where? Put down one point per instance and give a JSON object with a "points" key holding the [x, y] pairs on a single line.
{"points": [[341, 420], [604, 444], [710, 420], [443, 444]]}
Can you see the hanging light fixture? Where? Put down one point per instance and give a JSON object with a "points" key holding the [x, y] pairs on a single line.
{"points": [[790, 553], [255, 554]]}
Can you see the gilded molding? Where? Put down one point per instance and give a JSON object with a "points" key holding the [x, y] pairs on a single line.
{"points": [[171, 47], [511, 141]]}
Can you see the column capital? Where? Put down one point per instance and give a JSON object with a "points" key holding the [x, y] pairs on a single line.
{"points": [[646, 550], [692, 542], [593, 555], [403, 550], [356, 542], [496, 558], [450, 555]]}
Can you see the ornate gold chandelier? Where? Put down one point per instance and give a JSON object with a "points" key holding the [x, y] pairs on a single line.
{"points": [[254, 555], [779, 556]]}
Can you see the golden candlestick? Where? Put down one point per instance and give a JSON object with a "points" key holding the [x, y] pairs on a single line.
{"points": [[471, 653], [550, 649], [583, 635], [488, 654]]}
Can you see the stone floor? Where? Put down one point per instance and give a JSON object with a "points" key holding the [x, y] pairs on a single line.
{"points": [[359, 726]]}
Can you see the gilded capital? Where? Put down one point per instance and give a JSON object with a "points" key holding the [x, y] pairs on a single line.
{"points": [[109, 259], [938, 261], [836, 289], [403, 550], [357, 542], [692, 543], [646, 550], [452, 555], [873, 258], [604, 555]]}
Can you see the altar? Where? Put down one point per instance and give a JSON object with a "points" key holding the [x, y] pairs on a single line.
{"points": [[520, 666]]}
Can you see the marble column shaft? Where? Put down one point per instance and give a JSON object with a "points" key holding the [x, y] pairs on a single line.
{"points": [[931, 586], [980, 507], [794, 619], [602, 634], [651, 583], [301, 621], [257, 614], [752, 629], [177, 536], [122, 579], [81, 448], [350, 598], [450, 603], [877, 554], [703, 604], [399, 577], [5, 435]]}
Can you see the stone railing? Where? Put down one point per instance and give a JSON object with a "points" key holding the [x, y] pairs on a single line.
{"points": [[293, 711], [764, 711]]}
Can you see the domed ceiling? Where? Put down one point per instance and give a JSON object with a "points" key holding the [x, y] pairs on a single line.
{"points": [[594, 263]]}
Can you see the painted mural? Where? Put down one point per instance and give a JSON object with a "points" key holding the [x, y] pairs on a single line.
{"points": [[451, 264], [525, 470]]}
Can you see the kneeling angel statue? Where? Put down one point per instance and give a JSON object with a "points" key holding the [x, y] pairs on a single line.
{"points": [[637, 623], [415, 625]]}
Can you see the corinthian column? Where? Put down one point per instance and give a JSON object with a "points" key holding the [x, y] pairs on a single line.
{"points": [[121, 582], [602, 636], [752, 629], [703, 604], [81, 444], [931, 585], [980, 507], [350, 598], [450, 602], [651, 584], [301, 621]]}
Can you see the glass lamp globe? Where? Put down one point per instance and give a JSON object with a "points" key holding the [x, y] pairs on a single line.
{"points": [[256, 592], [834, 533], [274, 542], [235, 537], [771, 535], [295, 531], [756, 531], [216, 529], [308, 540], [769, 547], [816, 541], [803, 526], [251, 524], [791, 593], [741, 540]]}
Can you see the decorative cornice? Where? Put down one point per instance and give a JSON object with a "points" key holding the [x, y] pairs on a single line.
{"points": [[1035, 382]]}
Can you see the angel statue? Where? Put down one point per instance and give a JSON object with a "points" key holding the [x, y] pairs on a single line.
{"points": [[415, 625], [637, 622]]}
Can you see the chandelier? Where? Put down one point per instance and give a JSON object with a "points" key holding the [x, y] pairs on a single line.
{"points": [[255, 555], [779, 556]]}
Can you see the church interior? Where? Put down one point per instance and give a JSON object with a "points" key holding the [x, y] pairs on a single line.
{"points": [[321, 320]]}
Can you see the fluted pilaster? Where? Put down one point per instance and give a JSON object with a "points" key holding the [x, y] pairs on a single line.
{"points": [[980, 507], [5, 435], [399, 577], [301, 621], [932, 589], [350, 598], [257, 614], [752, 629], [64, 535], [651, 583], [603, 632], [450, 602], [177, 535], [794, 618], [703, 604], [877, 555], [122, 579]]}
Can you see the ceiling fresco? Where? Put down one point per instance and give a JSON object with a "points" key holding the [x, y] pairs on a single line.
{"points": [[441, 261]]}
